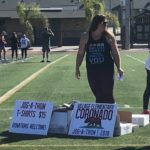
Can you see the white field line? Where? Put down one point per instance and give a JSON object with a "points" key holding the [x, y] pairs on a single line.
{"points": [[96, 145], [26, 81], [131, 107], [134, 58]]}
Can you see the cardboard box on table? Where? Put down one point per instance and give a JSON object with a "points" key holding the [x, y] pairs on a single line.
{"points": [[126, 121], [60, 121], [126, 128], [123, 123], [140, 119], [61, 118]]}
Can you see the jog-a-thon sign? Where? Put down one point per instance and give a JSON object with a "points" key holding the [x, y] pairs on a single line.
{"points": [[93, 119], [31, 117]]}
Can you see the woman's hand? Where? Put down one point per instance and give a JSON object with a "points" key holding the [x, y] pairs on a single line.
{"points": [[77, 73], [120, 72]]}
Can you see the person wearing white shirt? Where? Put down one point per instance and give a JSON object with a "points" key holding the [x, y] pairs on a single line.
{"points": [[24, 43]]}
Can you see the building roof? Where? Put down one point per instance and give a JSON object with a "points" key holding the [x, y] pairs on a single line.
{"points": [[50, 8]]}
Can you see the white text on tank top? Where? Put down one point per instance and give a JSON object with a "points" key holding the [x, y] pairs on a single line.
{"points": [[96, 51]]}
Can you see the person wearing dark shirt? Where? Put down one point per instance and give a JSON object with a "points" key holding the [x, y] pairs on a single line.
{"points": [[146, 94], [2, 45], [101, 51], [14, 45], [46, 43]]}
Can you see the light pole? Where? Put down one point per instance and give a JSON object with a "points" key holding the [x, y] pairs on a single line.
{"points": [[110, 4], [125, 29], [127, 25], [131, 23], [122, 4]]}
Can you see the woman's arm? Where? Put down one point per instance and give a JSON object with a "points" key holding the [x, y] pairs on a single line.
{"points": [[50, 32], [3, 40], [116, 55], [80, 55]]}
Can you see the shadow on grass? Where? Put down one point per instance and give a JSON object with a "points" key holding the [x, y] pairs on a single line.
{"points": [[134, 148], [5, 61], [7, 137]]}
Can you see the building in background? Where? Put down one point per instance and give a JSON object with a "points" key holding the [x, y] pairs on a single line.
{"points": [[67, 19], [139, 15]]}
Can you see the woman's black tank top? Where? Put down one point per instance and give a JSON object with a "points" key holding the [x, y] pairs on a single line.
{"points": [[98, 53]]}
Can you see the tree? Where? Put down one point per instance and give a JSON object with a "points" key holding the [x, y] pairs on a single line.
{"points": [[94, 7], [27, 13]]}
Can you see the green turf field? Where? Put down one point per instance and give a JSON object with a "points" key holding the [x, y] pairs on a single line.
{"points": [[57, 84]]}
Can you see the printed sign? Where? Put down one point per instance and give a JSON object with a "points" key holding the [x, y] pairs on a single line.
{"points": [[31, 117], [93, 119]]}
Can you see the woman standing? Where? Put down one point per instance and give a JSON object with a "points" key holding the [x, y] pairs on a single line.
{"points": [[2, 45], [14, 45], [146, 95], [101, 51], [24, 44]]}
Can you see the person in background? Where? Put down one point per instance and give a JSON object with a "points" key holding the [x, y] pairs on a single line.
{"points": [[102, 52], [146, 95], [2, 45], [46, 43], [14, 45], [24, 43]]}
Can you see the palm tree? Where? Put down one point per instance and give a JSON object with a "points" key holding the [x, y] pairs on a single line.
{"points": [[94, 7], [28, 12]]}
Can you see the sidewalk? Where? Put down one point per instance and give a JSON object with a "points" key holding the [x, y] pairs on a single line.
{"points": [[75, 48], [57, 49]]}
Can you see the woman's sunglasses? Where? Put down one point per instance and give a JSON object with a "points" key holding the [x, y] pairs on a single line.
{"points": [[105, 23]]}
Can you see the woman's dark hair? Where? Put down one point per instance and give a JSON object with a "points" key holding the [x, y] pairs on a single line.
{"points": [[96, 21], [94, 25], [14, 34]]}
